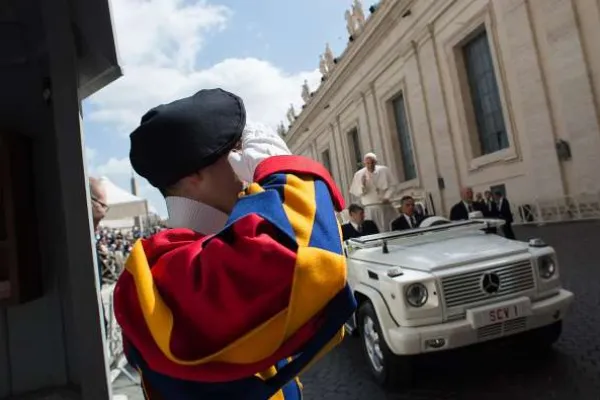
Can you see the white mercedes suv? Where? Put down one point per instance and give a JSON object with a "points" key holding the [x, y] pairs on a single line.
{"points": [[447, 285]]}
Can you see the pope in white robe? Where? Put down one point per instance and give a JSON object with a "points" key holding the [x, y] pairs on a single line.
{"points": [[375, 186]]}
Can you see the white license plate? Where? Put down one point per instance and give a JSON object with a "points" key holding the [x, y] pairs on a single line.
{"points": [[499, 312]]}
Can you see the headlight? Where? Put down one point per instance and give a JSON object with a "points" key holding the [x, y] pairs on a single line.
{"points": [[546, 267], [416, 294]]}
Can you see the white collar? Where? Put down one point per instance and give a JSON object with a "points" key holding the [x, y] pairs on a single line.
{"points": [[191, 214]]}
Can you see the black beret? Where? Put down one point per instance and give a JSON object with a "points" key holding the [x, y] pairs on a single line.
{"points": [[177, 139]]}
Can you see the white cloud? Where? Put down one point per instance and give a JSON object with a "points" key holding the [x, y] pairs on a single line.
{"points": [[158, 42], [164, 32], [266, 90], [90, 154], [114, 166]]}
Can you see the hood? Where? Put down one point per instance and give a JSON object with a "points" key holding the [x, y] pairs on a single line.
{"points": [[445, 253]]}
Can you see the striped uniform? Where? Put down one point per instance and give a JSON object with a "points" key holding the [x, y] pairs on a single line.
{"points": [[240, 314]]}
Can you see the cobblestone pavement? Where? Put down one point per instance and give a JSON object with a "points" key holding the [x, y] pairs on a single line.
{"points": [[571, 371]]}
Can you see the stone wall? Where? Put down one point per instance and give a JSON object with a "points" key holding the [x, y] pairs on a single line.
{"points": [[547, 65]]}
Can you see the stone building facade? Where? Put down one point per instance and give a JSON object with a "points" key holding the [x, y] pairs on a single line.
{"points": [[500, 94]]}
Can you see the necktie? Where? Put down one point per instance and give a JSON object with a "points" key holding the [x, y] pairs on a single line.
{"points": [[359, 228], [413, 222]]}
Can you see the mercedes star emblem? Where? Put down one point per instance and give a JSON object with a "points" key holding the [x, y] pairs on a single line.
{"points": [[490, 283]]}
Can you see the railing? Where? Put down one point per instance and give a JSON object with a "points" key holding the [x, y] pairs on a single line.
{"points": [[436, 231], [585, 206], [116, 356]]}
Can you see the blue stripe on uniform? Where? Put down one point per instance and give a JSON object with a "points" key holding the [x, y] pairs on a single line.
{"points": [[275, 182], [166, 387], [325, 232], [267, 205]]}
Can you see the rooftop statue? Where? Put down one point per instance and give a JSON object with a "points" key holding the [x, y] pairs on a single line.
{"points": [[305, 92], [323, 66], [358, 13], [350, 23], [329, 58], [291, 114]]}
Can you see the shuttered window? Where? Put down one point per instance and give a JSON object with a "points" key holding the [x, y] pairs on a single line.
{"points": [[406, 150], [355, 149], [485, 95]]}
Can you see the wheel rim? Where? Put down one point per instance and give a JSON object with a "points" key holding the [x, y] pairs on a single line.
{"points": [[371, 339]]}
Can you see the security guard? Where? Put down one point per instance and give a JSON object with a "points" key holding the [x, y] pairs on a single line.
{"points": [[247, 288]]}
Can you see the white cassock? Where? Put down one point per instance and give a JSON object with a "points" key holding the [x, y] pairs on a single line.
{"points": [[379, 186]]}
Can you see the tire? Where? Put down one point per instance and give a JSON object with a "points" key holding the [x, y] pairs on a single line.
{"points": [[541, 339], [388, 370]]}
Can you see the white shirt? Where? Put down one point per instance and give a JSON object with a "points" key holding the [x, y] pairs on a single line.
{"points": [[355, 226], [412, 221], [190, 214], [468, 206]]}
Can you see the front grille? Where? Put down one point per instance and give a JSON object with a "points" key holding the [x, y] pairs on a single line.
{"points": [[503, 328], [464, 289]]}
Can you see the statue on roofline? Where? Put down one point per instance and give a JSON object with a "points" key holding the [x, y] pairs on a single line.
{"points": [[305, 92], [329, 59]]}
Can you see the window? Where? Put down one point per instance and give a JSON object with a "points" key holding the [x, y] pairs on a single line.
{"points": [[498, 188], [484, 95], [355, 150], [326, 160], [406, 151]]}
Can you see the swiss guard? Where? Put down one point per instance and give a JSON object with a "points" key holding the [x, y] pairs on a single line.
{"points": [[247, 287]]}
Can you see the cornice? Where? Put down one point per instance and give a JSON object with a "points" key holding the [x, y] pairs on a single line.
{"points": [[376, 27]]}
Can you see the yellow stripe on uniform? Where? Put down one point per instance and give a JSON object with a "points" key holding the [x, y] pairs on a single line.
{"points": [[299, 206]]}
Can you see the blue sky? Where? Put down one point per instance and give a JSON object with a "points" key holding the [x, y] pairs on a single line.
{"points": [[261, 49]]}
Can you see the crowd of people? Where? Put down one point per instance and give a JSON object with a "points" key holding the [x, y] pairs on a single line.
{"points": [[114, 245]]}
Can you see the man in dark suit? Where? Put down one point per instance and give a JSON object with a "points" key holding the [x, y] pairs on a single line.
{"points": [[490, 209], [460, 211], [358, 226], [504, 212], [408, 219]]}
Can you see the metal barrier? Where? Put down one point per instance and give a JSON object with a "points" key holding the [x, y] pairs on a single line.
{"points": [[116, 356], [585, 206]]}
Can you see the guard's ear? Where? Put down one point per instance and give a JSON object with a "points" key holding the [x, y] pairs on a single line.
{"points": [[196, 177]]}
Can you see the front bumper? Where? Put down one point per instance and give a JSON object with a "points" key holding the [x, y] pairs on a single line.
{"points": [[422, 339]]}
